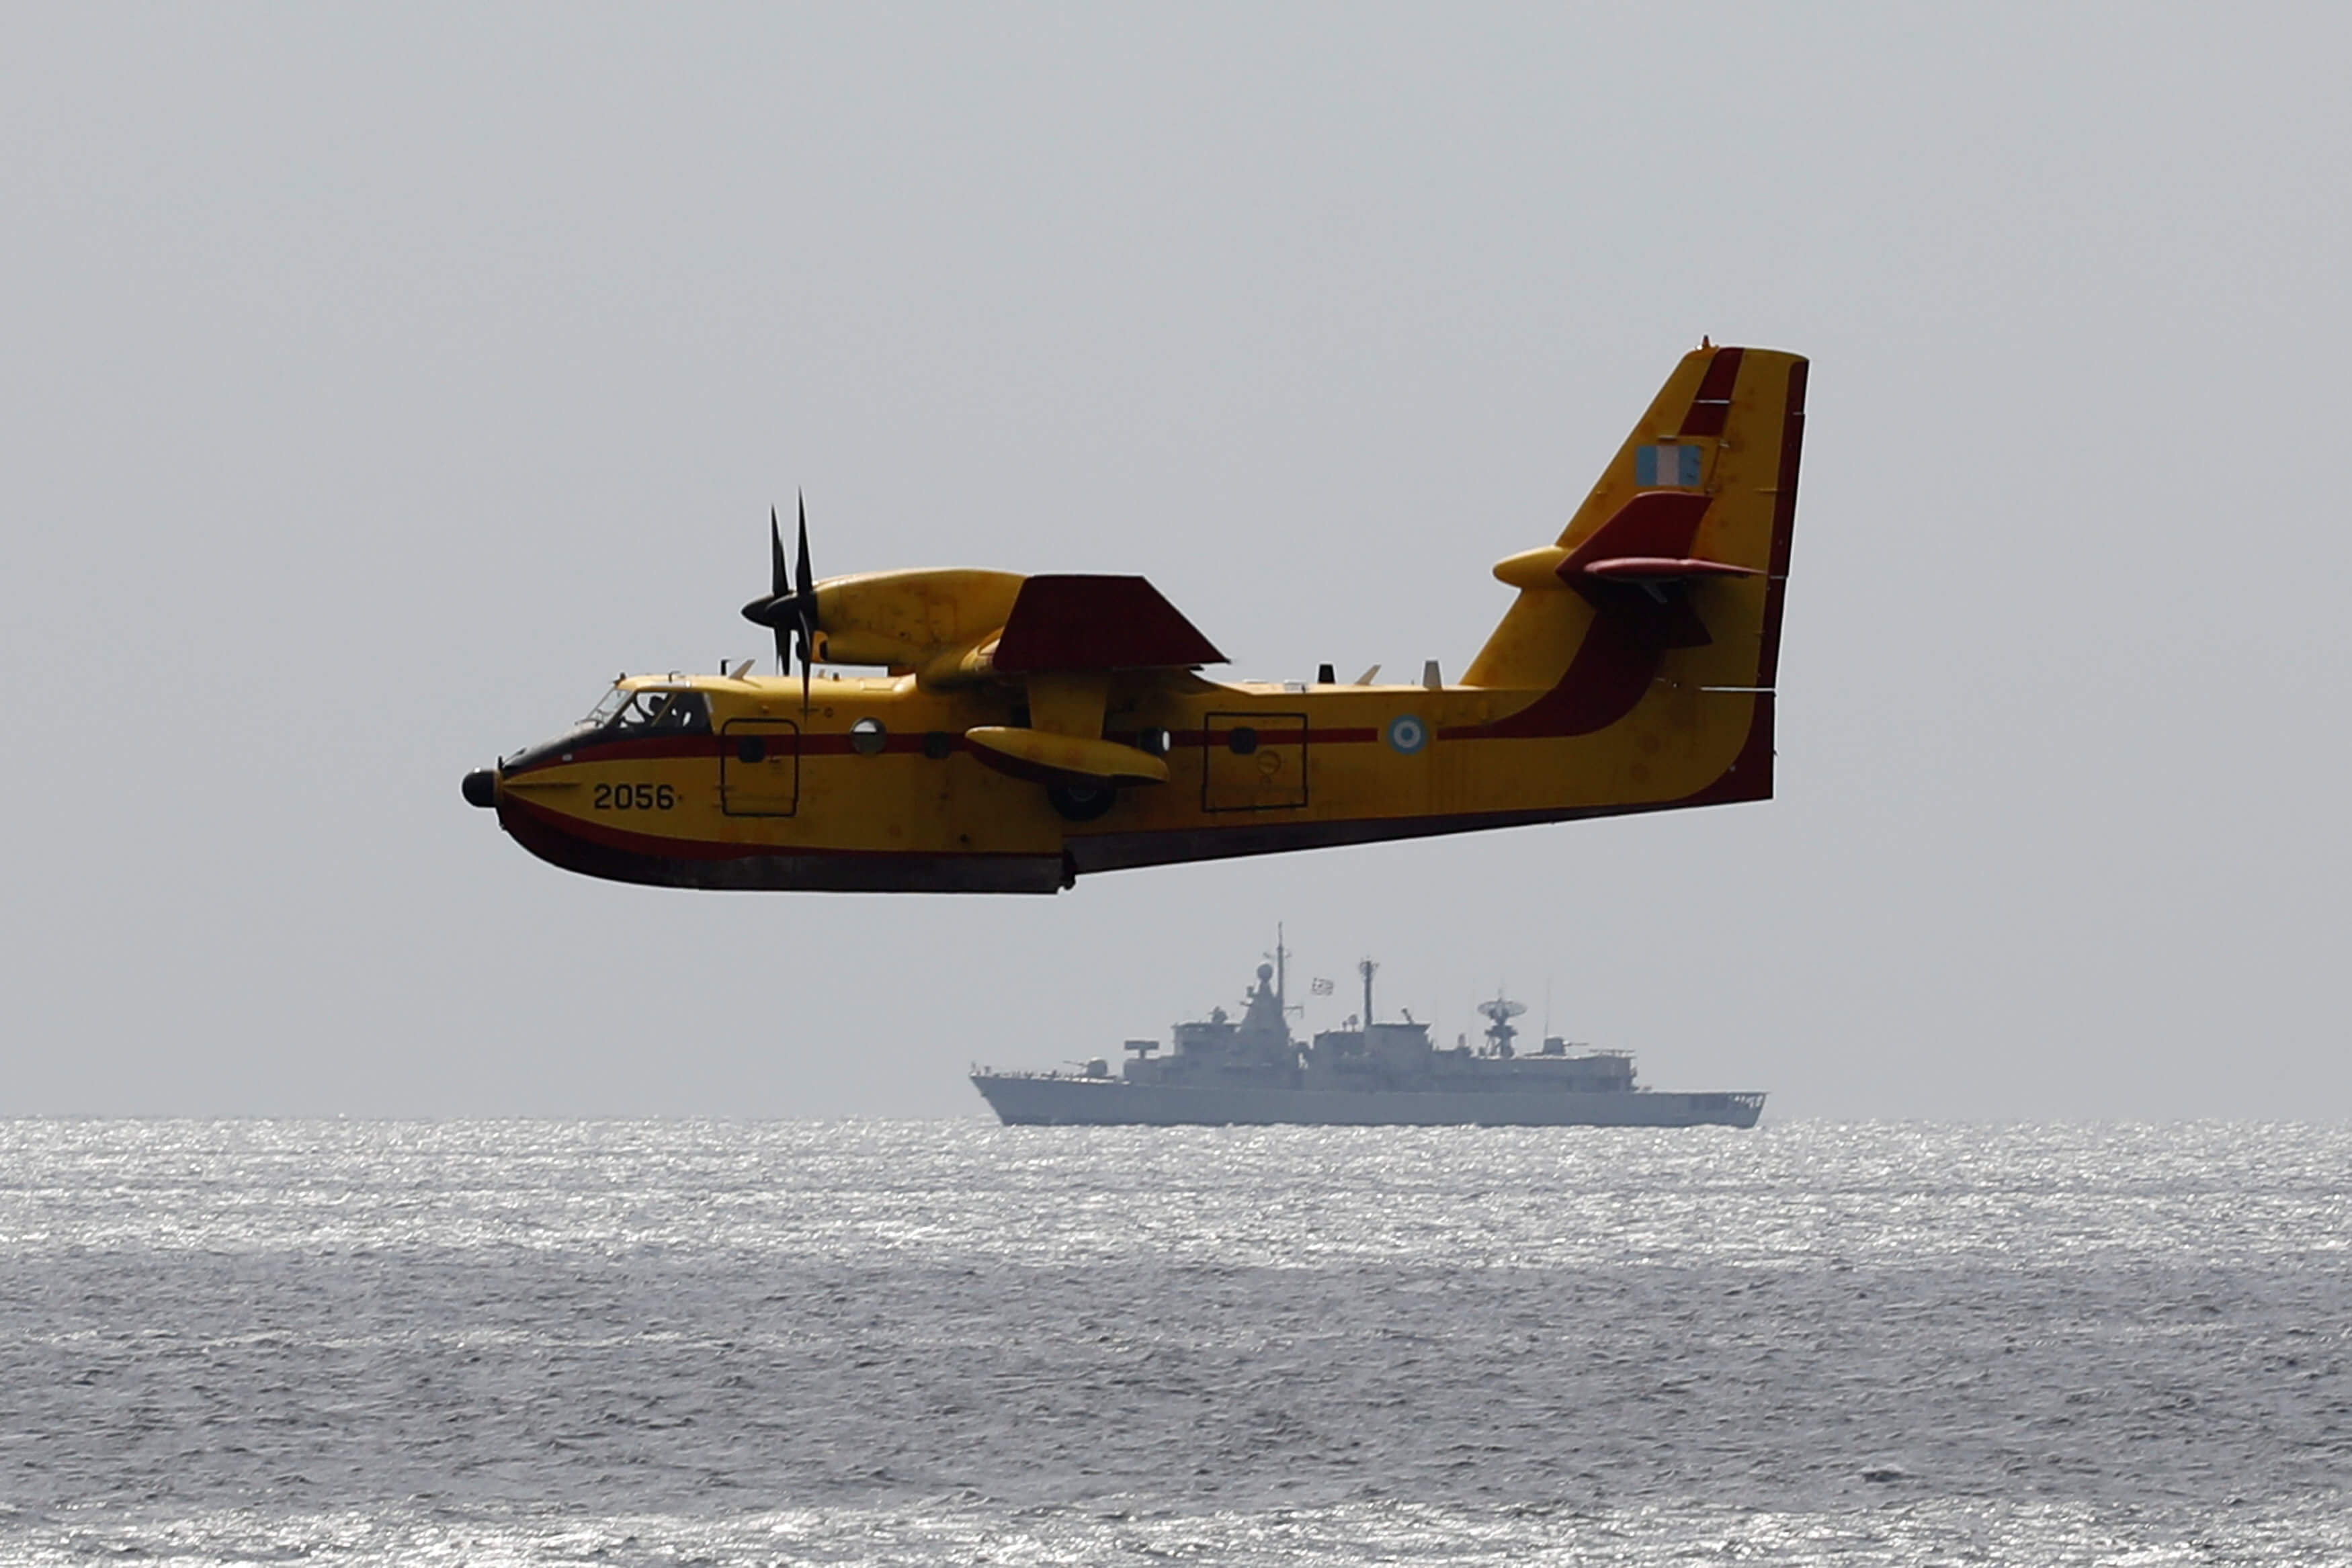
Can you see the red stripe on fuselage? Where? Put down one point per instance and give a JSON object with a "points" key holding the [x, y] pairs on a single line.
{"points": [[1350, 736]]}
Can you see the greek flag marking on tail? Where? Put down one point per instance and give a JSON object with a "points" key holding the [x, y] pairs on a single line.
{"points": [[1666, 467]]}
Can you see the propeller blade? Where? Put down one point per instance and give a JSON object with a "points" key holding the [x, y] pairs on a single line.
{"points": [[804, 601], [808, 642], [805, 580], [789, 608], [762, 611]]}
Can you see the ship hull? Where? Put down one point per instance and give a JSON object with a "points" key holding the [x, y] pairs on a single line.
{"points": [[1056, 1101]]}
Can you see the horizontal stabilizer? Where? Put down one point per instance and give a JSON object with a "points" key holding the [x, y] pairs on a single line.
{"points": [[1654, 524], [1662, 569], [1086, 622], [1648, 541]]}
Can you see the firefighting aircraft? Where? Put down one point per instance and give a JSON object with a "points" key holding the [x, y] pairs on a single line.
{"points": [[1029, 730]]}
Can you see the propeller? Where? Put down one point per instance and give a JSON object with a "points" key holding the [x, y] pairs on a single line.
{"points": [[789, 607]]}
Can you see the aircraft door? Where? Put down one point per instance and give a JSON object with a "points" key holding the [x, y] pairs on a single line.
{"points": [[1254, 762], [760, 768]]}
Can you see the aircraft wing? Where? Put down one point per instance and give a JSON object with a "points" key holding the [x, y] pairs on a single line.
{"points": [[1067, 622]]}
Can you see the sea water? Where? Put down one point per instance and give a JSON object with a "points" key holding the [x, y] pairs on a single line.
{"points": [[948, 1342]]}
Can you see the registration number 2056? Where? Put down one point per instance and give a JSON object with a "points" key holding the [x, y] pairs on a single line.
{"points": [[635, 798]]}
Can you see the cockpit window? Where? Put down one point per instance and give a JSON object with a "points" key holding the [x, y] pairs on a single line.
{"points": [[688, 711], [664, 712], [651, 712], [607, 705]]}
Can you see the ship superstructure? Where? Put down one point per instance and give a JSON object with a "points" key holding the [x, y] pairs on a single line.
{"points": [[1252, 1070]]}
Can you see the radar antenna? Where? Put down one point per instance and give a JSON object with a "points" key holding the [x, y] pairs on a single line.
{"points": [[1498, 1014]]}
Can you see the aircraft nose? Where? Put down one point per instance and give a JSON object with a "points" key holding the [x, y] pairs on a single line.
{"points": [[481, 788]]}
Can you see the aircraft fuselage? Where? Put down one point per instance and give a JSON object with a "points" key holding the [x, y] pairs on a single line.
{"points": [[874, 786]]}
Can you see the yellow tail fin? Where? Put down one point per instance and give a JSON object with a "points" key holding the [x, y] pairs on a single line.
{"points": [[1674, 566]]}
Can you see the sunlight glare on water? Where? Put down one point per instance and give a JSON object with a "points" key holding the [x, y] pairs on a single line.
{"points": [[547, 1343]]}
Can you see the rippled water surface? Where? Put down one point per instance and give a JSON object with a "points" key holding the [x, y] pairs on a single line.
{"points": [[946, 1342]]}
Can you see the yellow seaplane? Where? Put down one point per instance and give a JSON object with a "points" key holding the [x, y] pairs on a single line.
{"points": [[1025, 731]]}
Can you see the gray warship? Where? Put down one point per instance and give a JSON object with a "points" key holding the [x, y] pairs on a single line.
{"points": [[1252, 1071]]}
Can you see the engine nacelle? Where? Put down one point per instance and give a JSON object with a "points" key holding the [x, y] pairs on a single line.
{"points": [[933, 620]]}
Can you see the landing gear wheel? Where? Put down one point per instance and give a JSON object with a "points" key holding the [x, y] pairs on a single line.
{"points": [[1081, 803]]}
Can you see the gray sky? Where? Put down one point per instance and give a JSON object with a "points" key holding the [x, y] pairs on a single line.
{"points": [[382, 379]]}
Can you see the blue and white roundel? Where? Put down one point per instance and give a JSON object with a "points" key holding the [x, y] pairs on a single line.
{"points": [[1407, 734]]}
